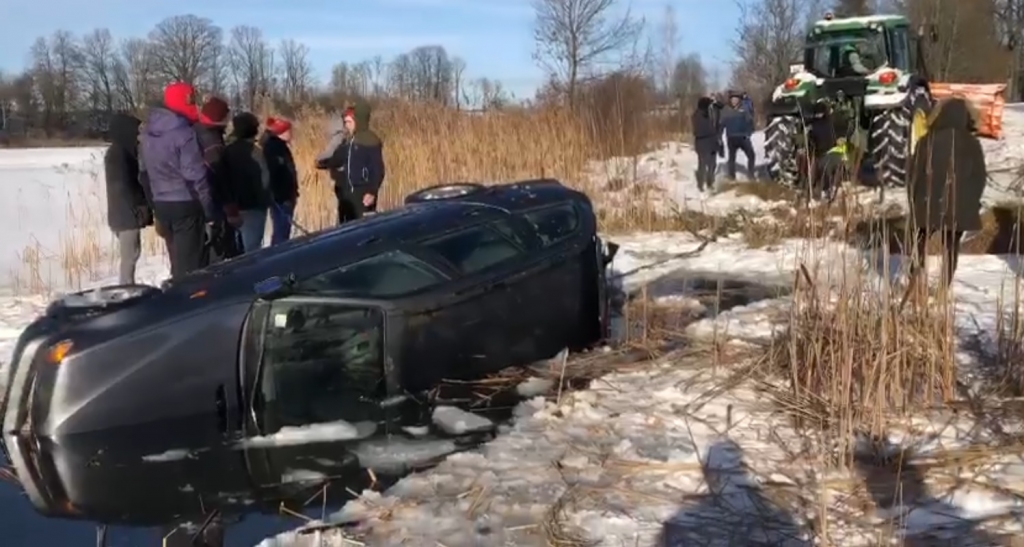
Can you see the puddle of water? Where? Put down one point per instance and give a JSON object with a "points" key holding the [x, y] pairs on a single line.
{"points": [[139, 479], [688, 296]]}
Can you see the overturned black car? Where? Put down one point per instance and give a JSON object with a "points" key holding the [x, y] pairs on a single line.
{"points": [[341, 325]]}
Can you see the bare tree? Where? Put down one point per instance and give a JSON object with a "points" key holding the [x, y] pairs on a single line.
{"points": [[135, 74], [56, 65], [689, 79], [187, 48], [432, 74], [458, 66], [250, 63], [296, 71], [574, 36], [99, 59], [379, 74], [770, 38], [667, 55]]}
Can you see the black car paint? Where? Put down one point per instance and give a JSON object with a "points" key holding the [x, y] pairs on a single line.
{"points": [[171, 356]]}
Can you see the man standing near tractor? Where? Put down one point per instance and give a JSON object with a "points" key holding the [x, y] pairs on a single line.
{"points": [[738, 123]]}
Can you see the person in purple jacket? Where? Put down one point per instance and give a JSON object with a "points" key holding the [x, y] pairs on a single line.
{"points": [[172, 162]]}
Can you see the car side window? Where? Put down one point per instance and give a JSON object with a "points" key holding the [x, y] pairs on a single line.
{"points": [[389, 274], [474, 249], [554, 223], [322, 362]]}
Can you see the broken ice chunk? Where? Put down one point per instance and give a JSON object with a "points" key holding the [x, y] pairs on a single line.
{"points": [[534, 386], [455, 421]]}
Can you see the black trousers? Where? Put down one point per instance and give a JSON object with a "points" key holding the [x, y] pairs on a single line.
{"points": [[950, 251], [222, 242], [182, 225], [350, 205], [736, 144], [706, 164]]}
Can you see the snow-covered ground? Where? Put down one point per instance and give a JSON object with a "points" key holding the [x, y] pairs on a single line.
{"points": [[682, 450]]}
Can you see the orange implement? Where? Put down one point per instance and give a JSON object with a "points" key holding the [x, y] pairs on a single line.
{"points": [[987, 99]]}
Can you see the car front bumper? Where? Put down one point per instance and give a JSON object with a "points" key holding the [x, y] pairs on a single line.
{"points": [[19, 442]]}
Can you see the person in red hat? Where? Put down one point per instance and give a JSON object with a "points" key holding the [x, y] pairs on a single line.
{"points": [[284, 180], [222, 239], [171, 161]]}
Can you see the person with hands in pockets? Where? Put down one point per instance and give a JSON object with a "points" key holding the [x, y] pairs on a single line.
{"points": [[284, 180], [356, 164]]}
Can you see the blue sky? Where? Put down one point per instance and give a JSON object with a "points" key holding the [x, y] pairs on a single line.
{"points": [[493, 36]]}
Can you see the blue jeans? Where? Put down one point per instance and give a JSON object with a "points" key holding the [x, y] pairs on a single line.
{"points": [[254, 224], [281, 215]]}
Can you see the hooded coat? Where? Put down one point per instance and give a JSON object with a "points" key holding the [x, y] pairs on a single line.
{"points": [[128, 206], [247, 173], [356, 164], [173, 161], [707, 135], [948, 173]]}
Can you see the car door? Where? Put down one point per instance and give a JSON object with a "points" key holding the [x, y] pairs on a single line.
{"points": [[320, 364], [551, 292], [477, 326]]}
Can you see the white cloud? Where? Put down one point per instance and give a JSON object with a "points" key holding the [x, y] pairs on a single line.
{"points": [[375, 42]]}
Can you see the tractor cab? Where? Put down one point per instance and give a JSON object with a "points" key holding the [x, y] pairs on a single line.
{"points": [[859, 47]]}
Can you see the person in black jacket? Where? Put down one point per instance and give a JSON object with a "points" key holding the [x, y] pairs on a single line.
{"points": [[284, 180], [707, 142], [826, 138], [222, 236], [356, 165], [129, 207], [947, 180], [249, 179]]}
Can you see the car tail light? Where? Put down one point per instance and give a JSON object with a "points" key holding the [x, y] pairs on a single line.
{"points": [[791, 84], [887, 78]]}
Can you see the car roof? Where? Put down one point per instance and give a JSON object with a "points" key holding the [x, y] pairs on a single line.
{"points": [[402, 223]]}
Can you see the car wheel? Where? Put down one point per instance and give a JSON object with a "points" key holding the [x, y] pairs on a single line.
{"points": [[444, 191]]}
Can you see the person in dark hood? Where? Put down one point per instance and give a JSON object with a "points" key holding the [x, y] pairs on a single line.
{"points": [[222, 237], [128, 207], [947, 179], [178, 180], [707, 142], [249, 179], [356, 164], [828, 153], [284, 180]]}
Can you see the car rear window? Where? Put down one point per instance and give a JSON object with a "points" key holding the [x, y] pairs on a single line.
{"points": [[474, 249], [555, 223]]}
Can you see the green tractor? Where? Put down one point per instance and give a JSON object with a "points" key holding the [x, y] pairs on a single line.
{"points": [[872, 69]]}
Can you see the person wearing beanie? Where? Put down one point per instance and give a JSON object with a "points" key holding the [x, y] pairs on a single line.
{"points": [[249, 179], [356, 165], [172, 160], [284, 180], [222, 237]]}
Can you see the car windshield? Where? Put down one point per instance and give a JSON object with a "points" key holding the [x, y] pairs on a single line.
{"points": [[846, 53]]}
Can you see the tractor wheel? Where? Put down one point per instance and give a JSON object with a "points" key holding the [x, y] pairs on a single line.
{"points": [[894, 134], [780, 149]]}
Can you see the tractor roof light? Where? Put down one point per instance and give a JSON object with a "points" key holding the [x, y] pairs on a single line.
{"points": [[887, 78], [791, 84], [828, 16]]}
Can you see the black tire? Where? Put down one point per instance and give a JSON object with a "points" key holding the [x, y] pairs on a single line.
{"points": [[891, 137], [780, 149], [444, 191]]}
